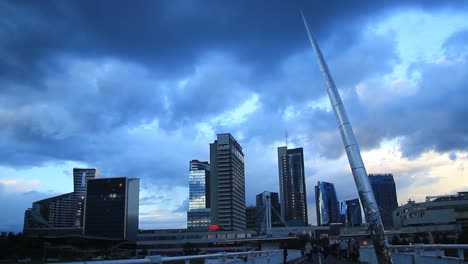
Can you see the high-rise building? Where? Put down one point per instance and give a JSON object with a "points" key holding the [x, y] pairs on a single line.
{"points": [[199, 213], [275, 209], [292, 186], [251, 217], [111, 208], [383, 186], [326, 204], [63, 211], [227, 183], [80, 177], [352, 212]]}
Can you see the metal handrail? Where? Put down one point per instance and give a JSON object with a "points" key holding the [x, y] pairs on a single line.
{"points": [[419, 249], [160, 259]]}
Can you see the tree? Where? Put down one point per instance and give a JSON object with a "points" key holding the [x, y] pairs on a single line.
{"points": [[189, 249]]}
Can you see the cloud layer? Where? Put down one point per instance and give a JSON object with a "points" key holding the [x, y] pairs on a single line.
{"points": [[139, 90]]}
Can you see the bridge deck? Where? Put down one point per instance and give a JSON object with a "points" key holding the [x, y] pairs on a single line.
{"points": [[329, 260]]}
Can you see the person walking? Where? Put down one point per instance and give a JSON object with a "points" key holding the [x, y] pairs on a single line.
{"points": [[308, 251], [285, 253], [354, 250]]}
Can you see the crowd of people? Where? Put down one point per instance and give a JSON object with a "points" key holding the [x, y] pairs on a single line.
{"points": [[341, 249]]}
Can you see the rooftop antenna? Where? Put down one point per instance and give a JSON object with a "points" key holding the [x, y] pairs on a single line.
{"points": [[286, 138], [381, 247]]}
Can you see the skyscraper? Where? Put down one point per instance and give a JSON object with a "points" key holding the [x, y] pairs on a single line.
{"points": [[112, 208], [353, 216], [80, 177], [384, 190], [292, 186], [227, 183], [326, 204], [198, 216], [251, 217], [275, 209]]}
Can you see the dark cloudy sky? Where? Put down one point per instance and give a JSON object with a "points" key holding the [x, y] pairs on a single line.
{"points": [[139, 88]]}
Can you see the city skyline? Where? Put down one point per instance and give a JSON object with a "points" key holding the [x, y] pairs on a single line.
{"points": [[130, 97]]}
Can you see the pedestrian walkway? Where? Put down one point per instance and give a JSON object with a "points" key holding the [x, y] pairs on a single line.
{"points": [[316, 260]]}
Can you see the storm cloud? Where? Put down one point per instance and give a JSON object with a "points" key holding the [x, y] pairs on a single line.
{"points": [[139, 89]]}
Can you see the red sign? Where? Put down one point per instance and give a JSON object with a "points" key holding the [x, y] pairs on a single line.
{"points": [[213, 227]]}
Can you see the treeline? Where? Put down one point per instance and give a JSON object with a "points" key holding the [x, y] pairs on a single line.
{"points": [[17, 246]]}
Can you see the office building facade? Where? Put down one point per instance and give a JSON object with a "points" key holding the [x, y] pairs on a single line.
{"points": [[251, 217], [326, 203], [437, 212], [199, 213], [55, 212], [275, 213], [80, 177], [292, 186], [352, 212], [227, 183], [62, 211], [111, 208], [383, 186]]}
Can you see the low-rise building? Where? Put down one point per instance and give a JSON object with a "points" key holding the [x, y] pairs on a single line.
{"points": [[446, 214]]}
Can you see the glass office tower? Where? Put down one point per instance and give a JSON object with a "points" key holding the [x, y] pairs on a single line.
{"points": [[227, 183], [80, 177], [292, 186], [384, 190], [326, 202], [353, 215], [199, 213], [111, 208]]}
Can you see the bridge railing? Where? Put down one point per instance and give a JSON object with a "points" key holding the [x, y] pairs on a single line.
{"points": [[257, 257], [419, 254]]}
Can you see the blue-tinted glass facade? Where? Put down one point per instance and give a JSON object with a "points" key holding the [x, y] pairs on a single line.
{"points": [[198, 216], [383, 186], [326, 204], [292, 186], [353, 216]]}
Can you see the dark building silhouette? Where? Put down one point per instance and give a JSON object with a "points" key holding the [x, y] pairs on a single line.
{"points": [[227, 183], [326, 203], [383, 186], [251, 217], [275, 210], [199, 213], [111, 208], [351, 212], [292, 186]]}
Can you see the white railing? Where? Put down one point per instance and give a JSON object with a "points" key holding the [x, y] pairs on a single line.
{"points": [[257, 257], [418, 254]]}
